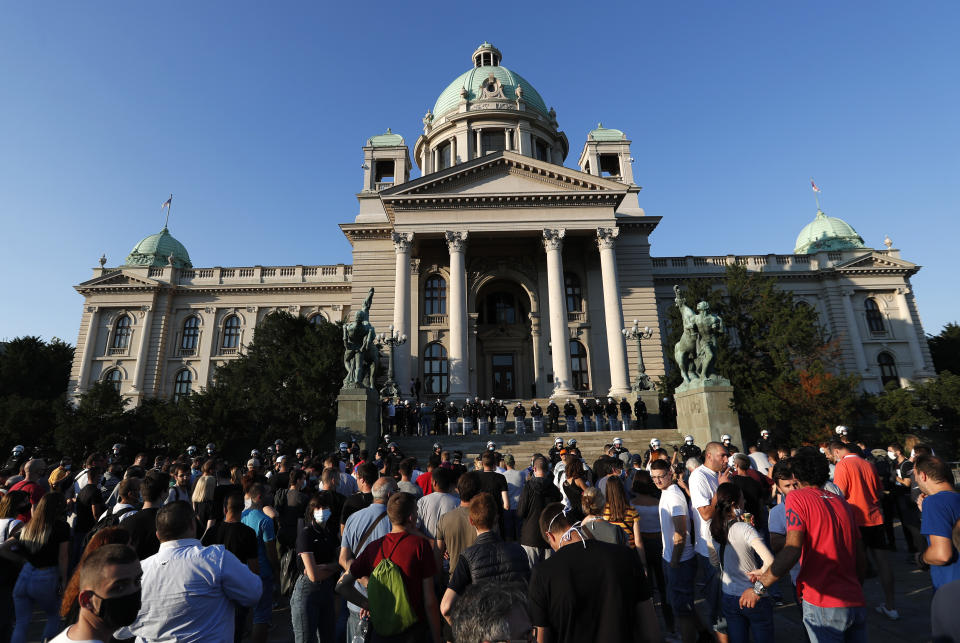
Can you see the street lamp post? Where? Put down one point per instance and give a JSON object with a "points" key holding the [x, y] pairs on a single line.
{"points": [[642, 383], [391, 339]]}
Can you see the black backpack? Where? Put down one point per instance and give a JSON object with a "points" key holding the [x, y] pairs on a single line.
{"points": [[108, 519]]}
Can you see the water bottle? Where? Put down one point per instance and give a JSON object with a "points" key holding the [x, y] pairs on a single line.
{"points": [[361, 635]]}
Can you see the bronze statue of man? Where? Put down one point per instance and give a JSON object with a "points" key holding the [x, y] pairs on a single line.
{"points": [[360, 349]]}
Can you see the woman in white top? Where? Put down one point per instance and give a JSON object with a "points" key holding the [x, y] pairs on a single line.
{"points": [[738, 546]]}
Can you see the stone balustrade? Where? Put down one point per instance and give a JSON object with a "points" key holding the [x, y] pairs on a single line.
{"points": [[766, 263], [257, 274]]}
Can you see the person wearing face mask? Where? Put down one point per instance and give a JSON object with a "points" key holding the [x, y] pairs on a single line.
{"points": [[609, 580], [311, 604], [108, 597]]}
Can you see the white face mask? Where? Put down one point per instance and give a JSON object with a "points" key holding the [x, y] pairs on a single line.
{"points": [[247, 503], [823, 451], [891, 455], [321, 516]]}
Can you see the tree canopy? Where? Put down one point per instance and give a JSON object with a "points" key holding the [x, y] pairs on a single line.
{"points": [[945, 349]]}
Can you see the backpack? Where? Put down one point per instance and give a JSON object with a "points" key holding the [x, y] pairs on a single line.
{"points": [[390, 610], [109, 519]]}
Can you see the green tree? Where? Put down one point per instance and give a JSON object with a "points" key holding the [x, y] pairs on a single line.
{"points": [[95, 423], [945, 349], [33, 381], [776, 356]]}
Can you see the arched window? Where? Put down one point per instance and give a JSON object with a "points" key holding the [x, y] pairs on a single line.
{"points": [[114, 377], [435, 375], [231, 332], [318, 319], [571, 283], [874, 316], [578, 366], [191, 333], [888, 369], [435, 296], [122, 332], [181, 385]]}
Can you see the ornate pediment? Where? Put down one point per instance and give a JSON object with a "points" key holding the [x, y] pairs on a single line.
{"points": [[118, 279], [503, 179], [874, 262]]}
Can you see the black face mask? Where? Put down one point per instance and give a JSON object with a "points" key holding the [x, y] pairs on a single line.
{"points": [[120, 611]]}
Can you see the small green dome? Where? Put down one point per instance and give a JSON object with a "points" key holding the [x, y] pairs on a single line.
{"points": [[827, 233], [606, 134], [156, 249], [389, 139], [472, 81]]}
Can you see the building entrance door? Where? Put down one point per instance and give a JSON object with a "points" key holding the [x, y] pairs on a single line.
{"points": [[503, 376]]}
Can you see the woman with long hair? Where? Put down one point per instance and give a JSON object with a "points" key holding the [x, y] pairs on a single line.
{"points": [[738, 546], [618, 511], [11, 505], [202, 499], [592, 503], [646, 502], [312, 601], [574, 484], [44, 544]]}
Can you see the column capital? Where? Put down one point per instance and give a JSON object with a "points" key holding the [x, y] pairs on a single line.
{"points": [[402, 241], [456, 241], [553, 239], [606, 237]]}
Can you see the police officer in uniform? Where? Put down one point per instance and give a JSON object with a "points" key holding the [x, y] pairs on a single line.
{"points": [[536, 414], [690, 450], [612, 409], [519, 419], [554, 453], [439, 416], [586, 412], [570, 413], [553, 412], [765, 444], [625, 411], [640, 412]]}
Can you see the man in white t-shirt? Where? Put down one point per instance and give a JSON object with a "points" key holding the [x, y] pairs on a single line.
{"points": [[679, 563], [759, 461], [703, 485], [108, 596]]}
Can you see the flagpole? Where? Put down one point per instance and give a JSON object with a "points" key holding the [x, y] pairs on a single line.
{"points": [[170, 205], [816, 193]]}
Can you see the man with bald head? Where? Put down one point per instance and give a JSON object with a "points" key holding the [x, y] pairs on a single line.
{"points": [[30, 485], [703, 484], [362, 528]]}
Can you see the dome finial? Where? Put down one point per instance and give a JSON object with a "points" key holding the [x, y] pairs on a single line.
{"points": [[487, 55], [887, 241]]}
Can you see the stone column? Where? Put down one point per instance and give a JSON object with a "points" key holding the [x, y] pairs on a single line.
{"points": [[613, 315], [457, 312], [559, 337], [479, 145], [918, 363], [89, 348], [854, 330], [537, 357], [145, 331], [453, 151], [401, 309]]}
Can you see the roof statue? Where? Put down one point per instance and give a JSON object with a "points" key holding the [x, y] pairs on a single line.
{"points": [[696, 352]]}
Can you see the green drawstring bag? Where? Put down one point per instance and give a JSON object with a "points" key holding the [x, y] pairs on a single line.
{"points": [[390, 610]]}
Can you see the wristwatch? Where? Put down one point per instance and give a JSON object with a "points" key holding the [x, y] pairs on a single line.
{"points": [[759, 589]]}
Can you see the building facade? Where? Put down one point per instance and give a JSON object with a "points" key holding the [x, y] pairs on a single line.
{"points": [[511, 274]]}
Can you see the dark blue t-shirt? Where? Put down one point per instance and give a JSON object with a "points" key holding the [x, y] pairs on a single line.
{"points": [[940, 513]]}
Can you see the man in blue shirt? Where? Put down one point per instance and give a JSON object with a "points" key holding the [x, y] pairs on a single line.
{"points": [[940, 507], [262, 524]]}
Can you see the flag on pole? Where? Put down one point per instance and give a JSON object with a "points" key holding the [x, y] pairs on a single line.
{"points": [[815, 188], [166, 204]]}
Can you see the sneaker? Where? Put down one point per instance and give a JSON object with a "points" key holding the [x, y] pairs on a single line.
{"points": [[893, 615]]}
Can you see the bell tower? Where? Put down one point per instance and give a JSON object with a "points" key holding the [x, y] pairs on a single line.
{"points": [[607, 153], [386, 162]]}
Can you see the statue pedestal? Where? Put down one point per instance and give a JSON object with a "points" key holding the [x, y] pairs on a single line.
{"points": [[358, 411], [705, 413]]}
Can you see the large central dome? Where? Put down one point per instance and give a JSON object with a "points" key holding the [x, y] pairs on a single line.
{"points": [[486, 63]]}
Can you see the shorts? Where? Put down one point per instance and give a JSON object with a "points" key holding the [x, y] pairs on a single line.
{"points": [[680, 581], [263, 610], [873, 537]]}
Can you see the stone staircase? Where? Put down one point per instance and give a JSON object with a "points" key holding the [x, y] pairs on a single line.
{"points": [[522, 447]]}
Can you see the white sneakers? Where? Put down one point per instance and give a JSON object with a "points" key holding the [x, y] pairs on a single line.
{"points": [[893, 615]]}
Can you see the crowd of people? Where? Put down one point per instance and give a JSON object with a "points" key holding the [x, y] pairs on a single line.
{"points": [[413, 416], [366, 546]]}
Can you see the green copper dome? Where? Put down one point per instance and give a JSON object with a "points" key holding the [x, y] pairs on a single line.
{"points": [[156, 249], [606, 134], [389, 139], [827, 233], [472, 81]]}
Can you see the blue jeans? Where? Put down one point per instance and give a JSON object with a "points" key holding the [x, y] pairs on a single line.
{"points": [[36, 588], [711, 591], [741, 621], [835, 624], [263, 610], [679, 582], [311, 610]]}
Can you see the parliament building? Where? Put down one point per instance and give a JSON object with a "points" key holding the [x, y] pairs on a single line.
{"points": [[511, 274]]}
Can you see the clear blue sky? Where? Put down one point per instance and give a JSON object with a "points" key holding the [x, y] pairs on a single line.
{"points": [[253, 115]]}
